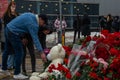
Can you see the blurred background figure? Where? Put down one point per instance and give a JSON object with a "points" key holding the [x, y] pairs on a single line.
{"points": [[102, 22], [58, 27], [116, 24], [77, 27], [85, 25], [109, 23]]}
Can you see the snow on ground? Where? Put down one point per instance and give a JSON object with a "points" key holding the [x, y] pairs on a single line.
{"points": [[52, 38]]}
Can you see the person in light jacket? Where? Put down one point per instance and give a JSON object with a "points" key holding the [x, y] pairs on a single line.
{"points": [[58, 27]]}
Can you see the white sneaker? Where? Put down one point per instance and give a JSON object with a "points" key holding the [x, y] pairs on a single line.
{"points": [[20, 76], [5, 72]]}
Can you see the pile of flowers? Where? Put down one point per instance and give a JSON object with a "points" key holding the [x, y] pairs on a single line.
{"points": [[97, 58]]}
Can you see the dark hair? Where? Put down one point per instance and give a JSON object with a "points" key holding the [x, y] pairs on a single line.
{"points": [[46, 28], [43, 17], [8, 11]]}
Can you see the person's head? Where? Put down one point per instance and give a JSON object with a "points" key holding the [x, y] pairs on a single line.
{"points": [[46, 30], [116, 18], [109, 17], [43, 20], [32, 11], [11, 9]]}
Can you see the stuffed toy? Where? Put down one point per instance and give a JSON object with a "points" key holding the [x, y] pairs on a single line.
{"points": [[56, 56]]}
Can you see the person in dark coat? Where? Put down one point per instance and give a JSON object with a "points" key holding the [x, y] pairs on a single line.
{"points": [[116, 24], [102, 22], [85, 25], [76, 27], [109, 23]]}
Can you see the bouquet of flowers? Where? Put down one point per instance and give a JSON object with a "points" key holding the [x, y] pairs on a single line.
{"points": [[97, 58]]}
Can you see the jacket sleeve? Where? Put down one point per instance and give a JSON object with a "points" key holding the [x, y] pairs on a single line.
{"points": [[33, 30], [64, 25], [56, 23], [42, 38]]}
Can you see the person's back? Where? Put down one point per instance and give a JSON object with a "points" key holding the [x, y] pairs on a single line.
{"points": [[86, 25], [86, 21], [76, 27], [20, 24], [102, 23]]}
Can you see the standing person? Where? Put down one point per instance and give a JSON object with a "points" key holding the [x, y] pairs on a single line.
{"points": [[8, 16], [28, 43], [58, 27], [102, 22], [116, 24], [76, 27], [26, 23], [109, 23], [85, 25]]}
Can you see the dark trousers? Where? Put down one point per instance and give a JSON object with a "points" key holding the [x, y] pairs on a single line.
{"points": [[32, 55], [13, 40], [2, 46], [75, 33], [59, 36]]}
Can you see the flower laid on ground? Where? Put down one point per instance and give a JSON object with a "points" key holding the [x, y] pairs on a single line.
{"points": [[96, 58]]}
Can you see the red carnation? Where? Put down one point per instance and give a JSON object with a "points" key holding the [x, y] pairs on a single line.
{"points": [[105, 32], [93, 75], [78, 74], [105, 78], [68, 75], [114, 52]]}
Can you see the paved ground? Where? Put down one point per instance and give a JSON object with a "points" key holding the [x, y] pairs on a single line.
{"points": [[39, 67], [51, 41]]}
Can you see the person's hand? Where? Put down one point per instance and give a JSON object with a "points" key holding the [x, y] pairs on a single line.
{"points": [[24, 41], [43, 56]]}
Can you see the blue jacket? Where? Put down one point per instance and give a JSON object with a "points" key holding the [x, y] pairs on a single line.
{"points": [[26, 23]]}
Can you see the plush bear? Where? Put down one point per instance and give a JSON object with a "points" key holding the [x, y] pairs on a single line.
{"points": [[56, 56]]}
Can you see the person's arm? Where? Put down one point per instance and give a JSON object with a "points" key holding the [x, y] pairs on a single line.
{"points": [[33, 30], [43, 40]]}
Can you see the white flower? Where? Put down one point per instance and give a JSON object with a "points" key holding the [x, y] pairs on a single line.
{"points": [[57, 74]]}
